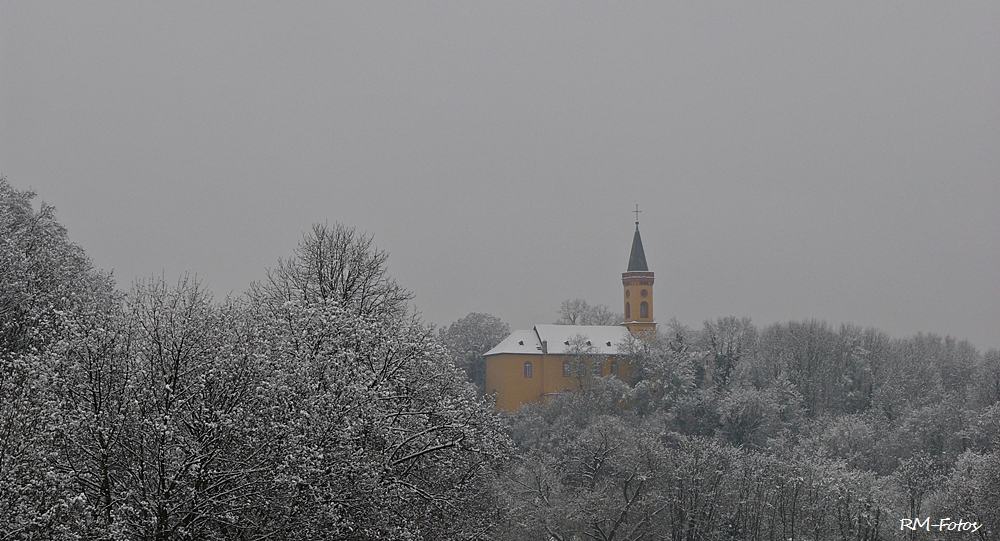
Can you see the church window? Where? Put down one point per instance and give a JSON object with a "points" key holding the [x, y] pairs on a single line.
{"points": [[644, 293], [527, 369], [628, 310], [566, 369], [627, 293], [614, 368], [644, 309]]}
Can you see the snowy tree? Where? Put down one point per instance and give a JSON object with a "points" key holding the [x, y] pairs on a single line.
{"points": [[751, 416], [603, 483], [915, 478], [36, 498], [987, 381], [336, 264], [661, 369], [972, 492], [832, 370], [45, 282], [92, 390], [382, 436], [43, 276], [729, 340], [162, 427], [469, 338], [852, 438]]}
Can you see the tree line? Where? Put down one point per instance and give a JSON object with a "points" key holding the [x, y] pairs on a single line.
{"points": [[317, 406], [797, 431]]}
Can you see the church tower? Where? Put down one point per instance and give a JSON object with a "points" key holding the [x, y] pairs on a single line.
{"points": [[638, 284]]}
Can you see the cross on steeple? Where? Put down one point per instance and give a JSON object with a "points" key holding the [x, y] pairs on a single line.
{"points": [[637, 211]]}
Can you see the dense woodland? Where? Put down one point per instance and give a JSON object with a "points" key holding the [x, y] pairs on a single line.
{"points": [[318, 406]]}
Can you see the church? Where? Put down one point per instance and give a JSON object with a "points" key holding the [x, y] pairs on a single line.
{"points": [[530, 365]]}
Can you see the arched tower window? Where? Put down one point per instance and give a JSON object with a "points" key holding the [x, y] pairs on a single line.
{"points": [[527, 369], [567, 370], [614, 368], [628, 310], [644, 309]]}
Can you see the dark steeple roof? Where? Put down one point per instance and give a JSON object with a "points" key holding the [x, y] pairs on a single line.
{"points": [[637, 260]]}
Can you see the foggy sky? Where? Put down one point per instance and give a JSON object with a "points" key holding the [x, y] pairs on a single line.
{"points": [[791, 160]]}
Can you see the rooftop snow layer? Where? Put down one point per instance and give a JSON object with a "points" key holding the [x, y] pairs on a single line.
{"points": [[604, 339], [559, 339], [518, 342]]}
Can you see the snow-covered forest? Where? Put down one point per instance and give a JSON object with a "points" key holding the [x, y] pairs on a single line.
{"points": [[317, 406]]}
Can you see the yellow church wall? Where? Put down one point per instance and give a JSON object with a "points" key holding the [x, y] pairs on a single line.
{"points": [[624, 369], [505, 377], [555, 381]]}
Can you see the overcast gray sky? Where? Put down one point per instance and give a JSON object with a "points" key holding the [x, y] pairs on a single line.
{"points": [[838, 161]]}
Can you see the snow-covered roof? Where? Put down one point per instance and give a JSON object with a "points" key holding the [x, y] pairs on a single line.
{"points": [[604, 339], [518, 342]]}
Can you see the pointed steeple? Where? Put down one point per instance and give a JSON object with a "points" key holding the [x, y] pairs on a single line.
{"points": [[637, 259], [638, 284]]}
